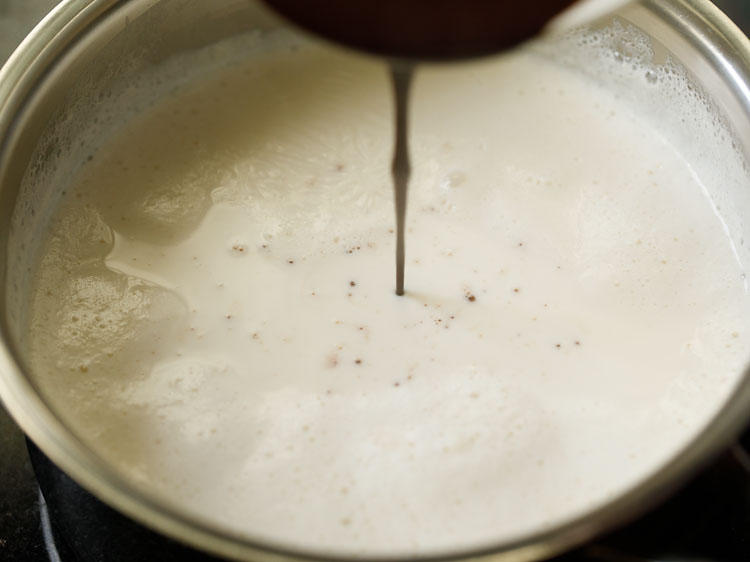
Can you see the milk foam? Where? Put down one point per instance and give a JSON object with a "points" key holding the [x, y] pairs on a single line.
{"points": [[214, 311]]}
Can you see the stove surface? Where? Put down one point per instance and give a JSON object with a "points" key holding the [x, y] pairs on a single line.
{"points": [[709, 520]]}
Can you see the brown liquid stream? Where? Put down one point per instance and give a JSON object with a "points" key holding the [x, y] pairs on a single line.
{"points": [[401, 77]]}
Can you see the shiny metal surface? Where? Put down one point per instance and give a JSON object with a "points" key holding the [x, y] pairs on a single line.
{"points": [[80, 43]]}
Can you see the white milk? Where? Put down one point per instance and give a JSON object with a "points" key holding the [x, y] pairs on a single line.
{"points": [[215, 311]]}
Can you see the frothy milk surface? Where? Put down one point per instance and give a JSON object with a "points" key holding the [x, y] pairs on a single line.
{"points": [[214, 310]]}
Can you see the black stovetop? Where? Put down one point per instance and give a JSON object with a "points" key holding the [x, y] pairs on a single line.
{"points": [[709, 520]]}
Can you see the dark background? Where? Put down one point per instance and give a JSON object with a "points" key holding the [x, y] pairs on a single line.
{"points": [[738, 10]]}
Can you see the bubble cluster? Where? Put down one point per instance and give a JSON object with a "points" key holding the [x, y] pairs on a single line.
{"points": [[662, 89]]}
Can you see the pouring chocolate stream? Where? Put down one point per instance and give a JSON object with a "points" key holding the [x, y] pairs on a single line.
{"points": [[439, 30]]}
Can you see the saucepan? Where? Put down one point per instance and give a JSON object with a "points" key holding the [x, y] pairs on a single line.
{"points": [[66, 68]]}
